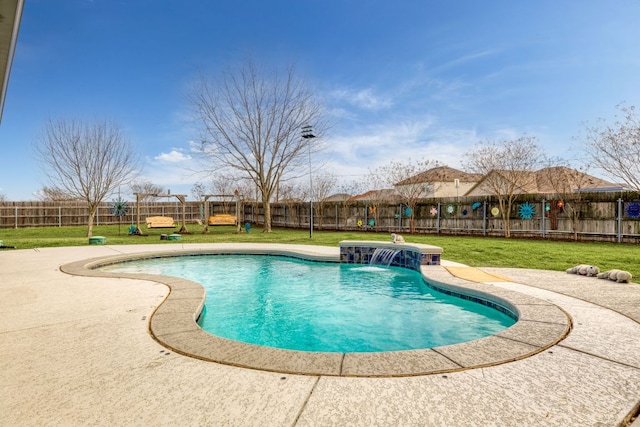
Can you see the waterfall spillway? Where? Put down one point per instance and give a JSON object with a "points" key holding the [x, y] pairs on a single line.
{"points": [[383, 256]]}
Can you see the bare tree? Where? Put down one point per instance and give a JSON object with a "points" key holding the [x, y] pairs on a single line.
{"points": [[399, 175], [377, 187], [221, 189], [292, 194], [199, 191], [568, 186], [54, 194], [245, 196], [3, 197], [323, 185], [224, 187], [146, 189], [349, 189], [508, 167], [251, 121], [86, 160], [615, 148]]}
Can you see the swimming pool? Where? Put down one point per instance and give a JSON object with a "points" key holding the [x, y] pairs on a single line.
{"points": [[172, 320], [294, 304]]}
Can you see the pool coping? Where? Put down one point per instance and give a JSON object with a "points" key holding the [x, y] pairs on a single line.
{"points": [[540, 324]]}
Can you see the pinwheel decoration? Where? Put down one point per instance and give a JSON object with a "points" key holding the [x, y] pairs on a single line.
{"points": [[119, 208]]}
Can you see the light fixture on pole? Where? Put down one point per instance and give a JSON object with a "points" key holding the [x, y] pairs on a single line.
{"points": [[307, 133]]}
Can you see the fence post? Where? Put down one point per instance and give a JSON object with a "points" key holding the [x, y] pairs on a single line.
{"points": [[59, 216], [366, 215], [438, 220], [544, 212], [619, 220], [484, 218], [15, 217]]}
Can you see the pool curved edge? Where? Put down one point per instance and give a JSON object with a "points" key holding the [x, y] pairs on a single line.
{"points": [[173, 324]]}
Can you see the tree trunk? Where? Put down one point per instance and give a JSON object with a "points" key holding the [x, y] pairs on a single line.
{"points": [[92, 215], [267, 214], [412, 218], [505, 207]]}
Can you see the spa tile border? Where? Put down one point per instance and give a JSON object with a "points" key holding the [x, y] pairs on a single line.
{"points": [[173, 324]]}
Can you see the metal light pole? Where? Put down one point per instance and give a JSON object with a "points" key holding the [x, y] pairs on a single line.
{"points": [[307, 133]]}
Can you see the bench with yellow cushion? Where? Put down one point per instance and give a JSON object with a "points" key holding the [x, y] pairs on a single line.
{"points": [[222, 219], [160, 222]]}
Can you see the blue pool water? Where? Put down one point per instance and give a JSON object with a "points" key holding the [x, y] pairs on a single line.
{"points": [[314, 306]]}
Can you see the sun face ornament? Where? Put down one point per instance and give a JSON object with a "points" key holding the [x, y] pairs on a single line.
{"points": [[632, 210], [527, 210]]}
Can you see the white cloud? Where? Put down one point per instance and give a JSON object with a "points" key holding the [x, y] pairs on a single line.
{"points": [[353, 155], [173, 156], [364, 99], [464, 60], [175, 170]]}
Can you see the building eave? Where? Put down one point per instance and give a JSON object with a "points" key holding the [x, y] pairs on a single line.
{"points": [[11, 15]]}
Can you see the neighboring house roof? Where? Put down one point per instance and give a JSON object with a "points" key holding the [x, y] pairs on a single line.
{"points": [[441, 174], [574, 180], [339, 197], [557, 179], [388, 194]]}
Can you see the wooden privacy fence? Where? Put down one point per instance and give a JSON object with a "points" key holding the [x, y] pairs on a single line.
{"points": [[586, 217], [60, 214]]}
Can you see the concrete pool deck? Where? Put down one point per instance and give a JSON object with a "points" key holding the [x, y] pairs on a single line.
{"points": [[76, 350]]}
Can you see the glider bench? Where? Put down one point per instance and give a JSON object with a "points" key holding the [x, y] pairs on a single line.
{"points": [[160, 222]]}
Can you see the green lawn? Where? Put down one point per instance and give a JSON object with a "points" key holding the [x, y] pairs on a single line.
{"points": [[473, 251]]}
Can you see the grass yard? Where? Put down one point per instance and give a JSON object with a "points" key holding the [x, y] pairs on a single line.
{"points": [[473, 251]]}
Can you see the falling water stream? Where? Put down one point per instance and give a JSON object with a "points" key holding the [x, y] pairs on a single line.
{"points": [[383, 256]]}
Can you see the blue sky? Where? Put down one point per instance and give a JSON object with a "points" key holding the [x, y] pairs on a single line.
{"points": [[402, 80]]}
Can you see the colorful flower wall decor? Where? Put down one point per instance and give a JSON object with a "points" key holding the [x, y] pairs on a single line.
{"points": [[632, 209], [526, 210]]}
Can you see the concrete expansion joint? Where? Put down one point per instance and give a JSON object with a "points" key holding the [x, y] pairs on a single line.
{"points": [[306, 401], [617, 362], [460, 367]]}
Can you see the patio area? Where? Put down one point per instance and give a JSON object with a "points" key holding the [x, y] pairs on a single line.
{"points": [[77, 350]]}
